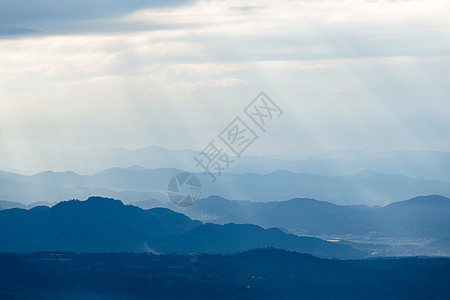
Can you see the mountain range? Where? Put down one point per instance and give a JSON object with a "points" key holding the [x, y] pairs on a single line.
{"points": [[107, 225], [416, 164], [138, 184], [426, 217], [419, 226]]}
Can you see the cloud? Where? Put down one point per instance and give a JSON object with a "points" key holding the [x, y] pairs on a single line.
{"points": [[297, 30], [349, 74], [16, 31]]}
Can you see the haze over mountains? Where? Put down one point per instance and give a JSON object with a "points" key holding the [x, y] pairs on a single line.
{"points": [[359, 214], [307, 205], [417, 164], [139, 184], [336, 196], [422, 217], [418, 226]]}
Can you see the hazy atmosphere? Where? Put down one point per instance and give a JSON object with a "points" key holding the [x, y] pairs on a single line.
{"points": [[224, 149], [363, 75]]}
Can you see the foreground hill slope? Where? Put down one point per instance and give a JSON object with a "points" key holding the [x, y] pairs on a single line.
{"points": [[255, 274]]}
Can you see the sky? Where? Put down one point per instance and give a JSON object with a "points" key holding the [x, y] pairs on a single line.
{"points": [[348, 74]]}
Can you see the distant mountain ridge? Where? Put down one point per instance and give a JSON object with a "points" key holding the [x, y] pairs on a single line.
{"points": [[138, 184], [420, 217], [416, 164], [107, 225], [9, 204]]}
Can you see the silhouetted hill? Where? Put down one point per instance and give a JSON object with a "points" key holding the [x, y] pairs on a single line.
{"points": [[150, 203], [94, 225], [230, 238], [426, 216], [107, 225]]}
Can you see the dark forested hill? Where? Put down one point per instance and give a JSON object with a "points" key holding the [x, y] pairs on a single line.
{"points": [[107, 225], [255, 274]]}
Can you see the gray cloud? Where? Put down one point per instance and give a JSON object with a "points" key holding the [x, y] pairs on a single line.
{"points": [[29, 16]]}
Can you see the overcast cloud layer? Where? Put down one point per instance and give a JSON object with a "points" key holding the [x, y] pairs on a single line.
{"points": [[351, 74]]}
